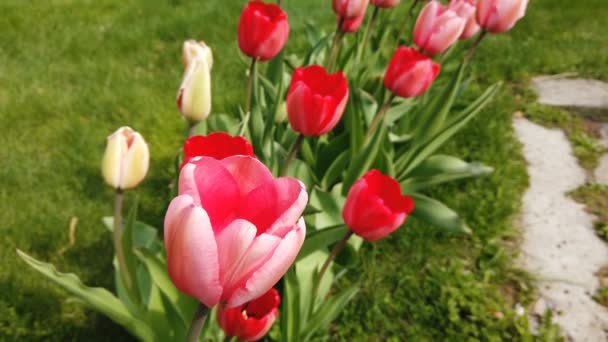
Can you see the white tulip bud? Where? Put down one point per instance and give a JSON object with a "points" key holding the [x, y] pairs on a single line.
{"points": [[193, 49], [194, 96], [125, 162]]}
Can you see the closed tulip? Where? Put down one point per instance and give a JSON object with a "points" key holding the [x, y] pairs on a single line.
{"points": [[263, 30], [498, 16], [349, 9], [194, 95], [375, 207], [126, 159], [193, 49], [252, 320], [316, 100], [410, 73], [466, 10], [437, 28], [233, 231], [385, 3], [351, 25], [218, 145]]}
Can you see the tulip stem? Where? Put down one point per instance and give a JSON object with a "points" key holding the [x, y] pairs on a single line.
{"points": [[120, 255], [331, 257], [378, 118], [292, 153], [409, 15], [198, 321], [474, 46], [332, 55], [368, 31], [250, 79]]}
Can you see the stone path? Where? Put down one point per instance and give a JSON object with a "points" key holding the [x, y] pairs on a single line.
{"points": [[559, 245]]}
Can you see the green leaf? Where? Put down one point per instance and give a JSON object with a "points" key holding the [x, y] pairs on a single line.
{"points": [[130, 258], [290, 312], [321, 239], [217, 122], [440, 169], [364, 160], [97, 298], [329, 311], [331, 203], [438, 214], [335, 170]]}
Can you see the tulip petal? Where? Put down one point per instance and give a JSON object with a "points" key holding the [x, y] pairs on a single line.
{"points": [[135, 163], [273, 269], [192, 258], [232, 243], [112, 159], [249, 173]]}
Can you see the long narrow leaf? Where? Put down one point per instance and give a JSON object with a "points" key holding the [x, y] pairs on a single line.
{"points": [[438, 214]]}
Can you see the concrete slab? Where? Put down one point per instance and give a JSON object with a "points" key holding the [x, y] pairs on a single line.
{"points": [[571, 92]]}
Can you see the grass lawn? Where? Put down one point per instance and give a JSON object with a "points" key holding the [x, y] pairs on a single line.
{"points": [[71, 72]]}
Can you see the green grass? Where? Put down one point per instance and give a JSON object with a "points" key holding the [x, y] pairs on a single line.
{"points": [[71, 72]]}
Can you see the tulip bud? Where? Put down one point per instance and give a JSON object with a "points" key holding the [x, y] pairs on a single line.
{"points": [[374, 206], [410, 73], [470, 29], [466, 10], [498, 16], [349, 9], [385, 3], [263, 30], [193, 49], [252, 320], [194, 95], [125, 162], [437, 28], [351, 25], [316, 100]]}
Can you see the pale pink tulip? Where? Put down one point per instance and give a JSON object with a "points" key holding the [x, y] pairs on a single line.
{"points": [[466, 10], [437, 28], [498, 16], [234, 230], [349, 9]]}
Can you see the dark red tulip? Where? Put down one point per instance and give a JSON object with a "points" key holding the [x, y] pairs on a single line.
{"points": [[263, 30], [218, 145], [410, 73], [252, 320]]}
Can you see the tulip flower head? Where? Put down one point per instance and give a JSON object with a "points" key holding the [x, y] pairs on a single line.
{"points": [[350, 9], [410, 73], [194, 95], [218, 145], [351, 25], [466, 10], [374, 206], [234, 230], [252, 320], [437, 28], [499, 16], [385, 3], [192, 49], [126, 159], [316, 100], [263, 30]]}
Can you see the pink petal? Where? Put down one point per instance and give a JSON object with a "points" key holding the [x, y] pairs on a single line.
{"points": [[174, 216], [249, 173], [271, 271], [232, 243], [192, 257], [187, 184]]}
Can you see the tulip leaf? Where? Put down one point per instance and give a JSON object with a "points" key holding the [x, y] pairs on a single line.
{"points": [[438, 214], [329, 311], [440, 169], [332, 203], [364, 160], [221, 122], [290, 312], [335, 170], [97, 298], [128, 250], [321, 239]]}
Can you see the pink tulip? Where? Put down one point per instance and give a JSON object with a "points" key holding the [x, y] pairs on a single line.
{"points": [[410, 73], [234, 230], [466, 10], [351, 25], [498, 16], [437, 28], [385, 3], [349, 9]]}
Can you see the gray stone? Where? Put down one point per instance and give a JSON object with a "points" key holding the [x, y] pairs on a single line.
{"points": [[571, 92], [601, 172]]}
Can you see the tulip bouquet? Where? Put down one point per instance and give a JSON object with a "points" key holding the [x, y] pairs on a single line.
{"points": [[328, 151]]}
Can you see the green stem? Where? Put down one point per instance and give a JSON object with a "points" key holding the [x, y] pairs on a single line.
{"points": [[331, 57], [250, 79], [198, 321], [378, 118], [331, 257], [368, 30], [474, 46], [120, 255], [410, 13], [292, 153]]}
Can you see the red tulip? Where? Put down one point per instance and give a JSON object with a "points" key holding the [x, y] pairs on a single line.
{"points": [[410, 73], [252, 320], [374, 206], [218, 145], [385, 3], [316, 100], [351, 25], [437, 28], [263, 30], [349, 9], [234, 230], [498, 16]]}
